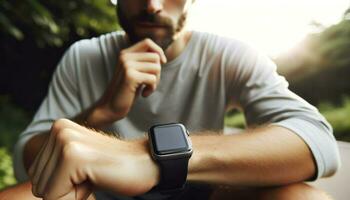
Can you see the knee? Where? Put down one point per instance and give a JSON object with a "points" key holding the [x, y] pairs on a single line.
{"points": [[292, 192]]}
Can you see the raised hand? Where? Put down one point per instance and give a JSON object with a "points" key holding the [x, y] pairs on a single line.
{"points": [[138, 70]]}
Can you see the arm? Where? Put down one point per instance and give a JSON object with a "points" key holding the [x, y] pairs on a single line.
{"points": [[263, 96], [126, 167], [266, 156], [138, 65]]}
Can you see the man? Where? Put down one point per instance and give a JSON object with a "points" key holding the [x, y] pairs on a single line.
{"points": [[157, 73]]}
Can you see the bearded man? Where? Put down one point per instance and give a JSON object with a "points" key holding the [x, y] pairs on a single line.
{"points": [[151, 78]]}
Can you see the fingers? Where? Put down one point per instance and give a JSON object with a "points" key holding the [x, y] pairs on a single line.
{"points": [[60, 185], [40, 161], [145, 57], [52, 170], [147, 45], [67, 179], [46, 152], [146, 67], [141, 57], [34, 165], [62, 131], [149, 80], [47, 171]]}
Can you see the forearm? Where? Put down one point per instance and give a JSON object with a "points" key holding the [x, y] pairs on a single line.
{"points": [[268, 156], [97, 116]]}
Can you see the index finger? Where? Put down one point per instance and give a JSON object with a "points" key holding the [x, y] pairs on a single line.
{"points": [[148, 45]]}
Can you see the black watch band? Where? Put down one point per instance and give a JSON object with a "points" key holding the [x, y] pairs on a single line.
{"points": [[173, 174], [171, 148]]}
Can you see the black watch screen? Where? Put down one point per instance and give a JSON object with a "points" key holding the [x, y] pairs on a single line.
{"points": [[171, 148], [169, 139]]}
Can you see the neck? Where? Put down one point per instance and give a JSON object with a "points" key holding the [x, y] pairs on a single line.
{"points": [[178, 45]]}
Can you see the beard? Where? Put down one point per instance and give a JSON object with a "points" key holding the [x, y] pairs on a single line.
{"points": [[170, 27]]}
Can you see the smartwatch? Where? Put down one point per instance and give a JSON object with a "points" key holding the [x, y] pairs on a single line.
{"points": [[171, 148]]}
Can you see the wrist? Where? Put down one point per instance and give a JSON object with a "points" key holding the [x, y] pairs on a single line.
{"points": [[203, 158], [146, 160], [100, 115], [124, 167]]}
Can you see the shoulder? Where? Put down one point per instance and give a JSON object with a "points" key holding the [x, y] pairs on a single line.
{"points": [[97, 46], [85, 54], [95, 51], [223, 47]]}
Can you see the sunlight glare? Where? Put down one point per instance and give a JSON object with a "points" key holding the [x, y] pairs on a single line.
{"points": [[272, 26]]}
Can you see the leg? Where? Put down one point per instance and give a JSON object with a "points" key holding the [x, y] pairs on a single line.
{"points": [[288, 192], [294, 191], [22, 191]]}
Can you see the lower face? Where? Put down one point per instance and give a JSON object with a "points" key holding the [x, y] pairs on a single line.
{"points": [[139, 24]]}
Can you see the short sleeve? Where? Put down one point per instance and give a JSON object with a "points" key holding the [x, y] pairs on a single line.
{"points": [[264, 97]]}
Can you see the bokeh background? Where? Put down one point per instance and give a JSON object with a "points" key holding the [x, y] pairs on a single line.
{"points": [[308, 40]]}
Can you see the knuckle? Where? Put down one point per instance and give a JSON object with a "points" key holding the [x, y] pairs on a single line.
{"points": [[123, 57], [127, 64], [123, 52], [156, 57], [59, 124], [153, 78], [148, 41], [71, 150], [65, 135], [129, 74]]}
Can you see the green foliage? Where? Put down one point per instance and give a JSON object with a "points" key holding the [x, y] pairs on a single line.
{"points": [[13, 120], [51, 22], [318, 69], [334, 44], [338, 117], [6, 170], [236, 120]]}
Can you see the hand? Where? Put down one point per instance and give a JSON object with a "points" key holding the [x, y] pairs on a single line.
{"points": [[138, 66], [75, 160]]}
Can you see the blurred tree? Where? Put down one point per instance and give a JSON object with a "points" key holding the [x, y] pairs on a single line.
{"points": [[35, 33], [51, 22], [318, 69]]}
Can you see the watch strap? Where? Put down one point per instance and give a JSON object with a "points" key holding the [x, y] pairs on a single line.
{"points": [[173, 173]]}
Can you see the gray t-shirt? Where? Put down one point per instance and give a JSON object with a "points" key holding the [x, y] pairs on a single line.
{"points": [[211, 75]]}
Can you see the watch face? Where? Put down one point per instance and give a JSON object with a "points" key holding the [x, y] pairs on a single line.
{"points": [[170, 138]]}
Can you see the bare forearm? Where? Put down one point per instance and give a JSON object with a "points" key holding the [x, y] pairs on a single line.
{"points": [[267, 156], [97, 116]]}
